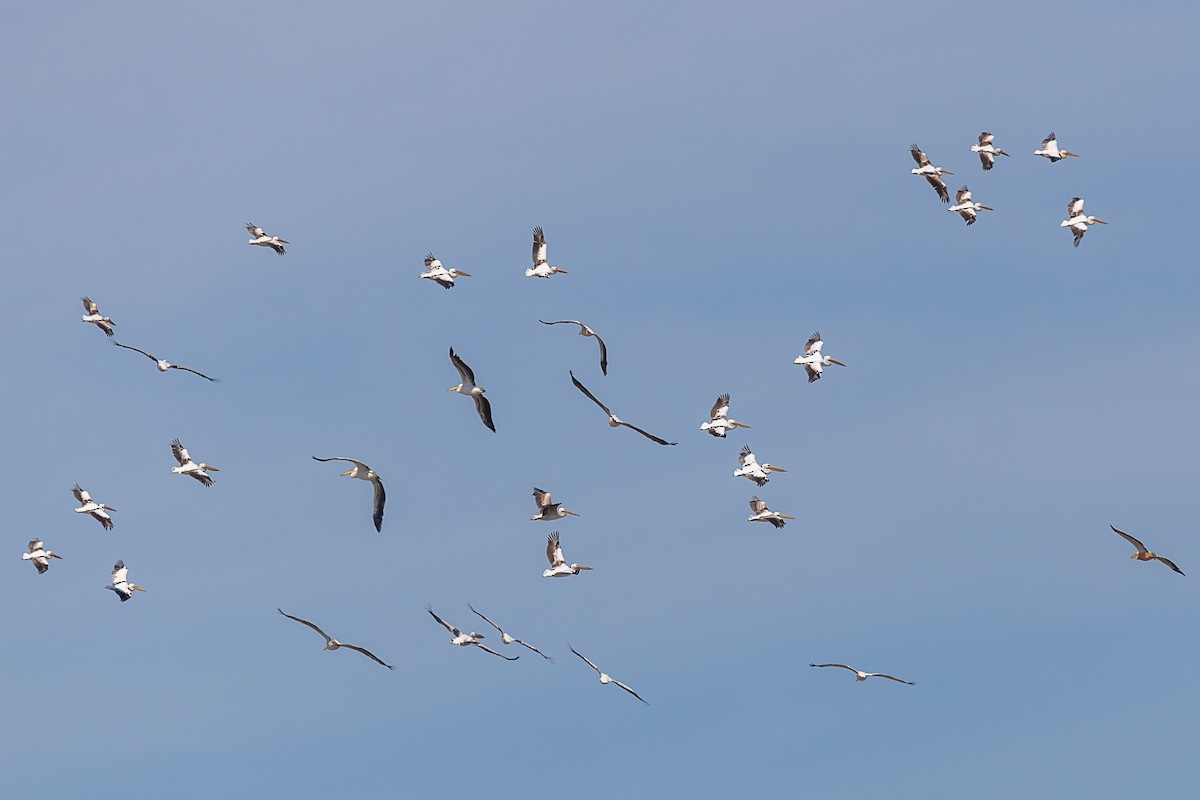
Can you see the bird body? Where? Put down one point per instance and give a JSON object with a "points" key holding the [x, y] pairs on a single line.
{"points": [[764, 514], [162, 364], [94, 316], [548, 511], [966, 207], [39, 555], [460, 639], [468, 387], [189, 467], [97, 511], [750, 468], [261, 239], [365, 473], [813, 361], [719, 422], [437, 273], [1143, 554], [1078, 221], [613, 420], [120, 582], [987, 150], [334, 644], [584, 330], [931, 173], [862, 676], [541, 267], [559, 568], [1050, 149]]}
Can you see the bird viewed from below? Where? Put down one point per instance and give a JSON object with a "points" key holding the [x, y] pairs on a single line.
{"points": [[812, 360], [1142, 553], [39, 555], [94, 316], [605, 678], [163, 364], [613, 420], [365, 473], [719, 422], [189, 467], [334, 644], [987, 151], [584, 330], [437, 273], [468, 387], [1078, 221], [541, 268], [931, 173], [263, 240], [98, 511], [461, 639], [750, 468], [966, 207], [504, 637], [559, 568], [1050, 150], [120, 583], [764, 514], [548, 511], [862, 676]]}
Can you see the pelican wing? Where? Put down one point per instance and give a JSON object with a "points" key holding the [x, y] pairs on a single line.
{"points": [[89, 305], [1051, 141], [603, 354], [531, 647], [720, 409], [483, 407], [1141, 548], [380, 499], [631, 691], [35, 545], [493, 652], [542, 498], [81, 495], [326, 636], [939, 186], [1075, 207], [255, 231], [963, 195], [985, 138], [453, 630], [135, 349], [746, 458], [649, 436], [554, 553], [539, 246], [368, 654], [758, 506], [119, 573], [180, 452], [585, 660], [814, 344], [464, 372], [919, 156], [889, 677], [843, 666], [485, 619], [590, 396], [194, 372], [353, 461], [431, 261], [1170, 564]]}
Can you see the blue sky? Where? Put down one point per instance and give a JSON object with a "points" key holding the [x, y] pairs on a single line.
{"points": [[720, 181]]}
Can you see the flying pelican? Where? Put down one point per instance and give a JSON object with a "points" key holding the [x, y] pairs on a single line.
{"points": [[120, 585], [89, 506], [720, 423], [987, 151], [334, 644], [440, 275], [764, 514], [862, 676], [931, 173], [365, 473], [584, 330], [541, 269], [750, 468], [262, 240], [613, 420], [94, 316], [1142, 553], [468, 387], [189, 467], [559, 568], [604, 677], [1050, 149], [548, 511], [163, 364], [1078, 221], [814, 363], [39, 556], [504, 637], [967, 208], [466, 639]]}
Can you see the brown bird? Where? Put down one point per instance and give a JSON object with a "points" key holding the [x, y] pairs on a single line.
{"points": [[1143, 554]]}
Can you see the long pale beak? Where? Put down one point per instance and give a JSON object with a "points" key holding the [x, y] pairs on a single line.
{"points": [[581, 566], [568, 511], [1065, 153], [835, 361], [107, 508], [787, 516], [347, 472], [454, 388], [947, 172], [54, 555], [462, 274], [773, 468], [987, 208], [283, 241], [563, 271], [1102, 222], [211, 469], [136, 588]]}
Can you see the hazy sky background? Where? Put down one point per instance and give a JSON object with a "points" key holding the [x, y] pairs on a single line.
{"points": [[720, 181]]}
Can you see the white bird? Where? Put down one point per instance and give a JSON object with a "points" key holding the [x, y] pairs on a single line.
{"points": [[94, 316], [987, 151], [504, 637], [548, 511], [163, 364], [750, 468], [89, 506], [468, 387], [814, 362], [719, 422], [1142, 553], [1078, 221], [365, 473], [461, 639], [262, 240], [39, 556], [559, 568], [605, 678], [334, 644], [189, 467], [966, 207], [439, 274], [1050, 149], [120, 583], [862, 676], [764, 514], [613, 420], [931, 173], [541, 269], [584, 330]]}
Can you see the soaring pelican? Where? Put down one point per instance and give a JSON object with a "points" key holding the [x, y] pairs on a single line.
{"points": [[719, 422], [89, 506], [750, 468], [815, 363], [548, 511], [468, 387], [584, 330], [613, 420], [862, 676], [365, 473], [1078, 221], [94, 316], [39, 556], [967, 208], [189, 467], [334, 644], [987, 151], [440, 275], [1142, 553], [764, 514], [262, 240], [504, 637], [931, 173], [604, 677], [465, 639], [541, 269], [120, 584], [559, 568], [1050, 149], [163, 364]]}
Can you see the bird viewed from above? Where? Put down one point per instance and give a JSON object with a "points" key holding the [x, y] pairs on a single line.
{"points": [[1078, 221], [1050, 150], [548, 511], [764, 514], [120, 584], [750, 468], [931, 173], [1142, 553], [559, 568], [604, 677], [334, 644], [966, 207], [437, 273], [189, 467], [987, 150], [613, 420], [504, 637], [719, 422], [461, 639], [541, 267], [97, 511], [365, 473], [94, 316], [584, 330], [261, 239], [813, 361], [862, 676], [162, 364], [39, 555], [468, 387]]}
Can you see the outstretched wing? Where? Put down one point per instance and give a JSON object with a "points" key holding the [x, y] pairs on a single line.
{"points": [[485, 619], [180, 452], [368, 654], [483, 407], [493, 652], [464, 372], [453, 630], [380, 499], [1170, 564], [631, 691], [531, 647], [554, 553], [81, 495], [649, 436], [539, 246], [590, 396], [135, 349], [326, 636], [889, 677], [194, 372], [1141, 548], [589, 663], [542, 498]]}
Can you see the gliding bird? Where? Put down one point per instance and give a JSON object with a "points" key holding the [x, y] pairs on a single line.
{"points": [[931, 173], [334, 644], [541, 269], [1078, 221], [163, 364], [584, 330], [862, 676], [365, 473], [548, 511], [967, 208], [120, 584], [440, 275], [89, 506], [504, 637], [604, 677], [613, 420], [189, 467], [1143, 554], [95, 317], [468, 387], [39, 555], [262, 240], [764, 514], [559, 568], [814, 363], [719, 422], [1050, 149], [750, 468], [987, 151], [465, 639]]}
